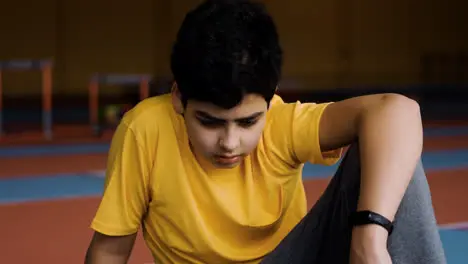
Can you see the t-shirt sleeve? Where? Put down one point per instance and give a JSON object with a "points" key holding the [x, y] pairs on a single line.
{"points": [[126, 192], [294, 132]]}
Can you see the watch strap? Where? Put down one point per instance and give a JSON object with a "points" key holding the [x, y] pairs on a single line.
{"points": [[368, 217]]}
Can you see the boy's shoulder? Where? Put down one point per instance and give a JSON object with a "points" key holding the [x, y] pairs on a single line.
{"points": [[149, 114], [278, 108]]}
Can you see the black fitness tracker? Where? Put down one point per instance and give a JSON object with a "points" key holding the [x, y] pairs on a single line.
{"points": [[369, 217]]}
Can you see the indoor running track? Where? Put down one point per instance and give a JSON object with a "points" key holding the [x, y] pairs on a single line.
{"points": [[48, 196]]}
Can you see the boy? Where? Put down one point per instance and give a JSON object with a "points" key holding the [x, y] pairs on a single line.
{"points": [[212, 171]]}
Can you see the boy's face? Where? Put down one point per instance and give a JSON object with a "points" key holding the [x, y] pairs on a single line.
{"points": [[222, 137]]}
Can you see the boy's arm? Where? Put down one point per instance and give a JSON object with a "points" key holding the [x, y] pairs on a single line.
{"points": [[389, 130], [125, 198], [109, 249]]}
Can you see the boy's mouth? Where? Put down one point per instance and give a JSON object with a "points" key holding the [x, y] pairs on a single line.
{"points": [[227, 160]]}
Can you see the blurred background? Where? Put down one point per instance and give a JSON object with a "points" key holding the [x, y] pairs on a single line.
{"points": [[70, 69]]}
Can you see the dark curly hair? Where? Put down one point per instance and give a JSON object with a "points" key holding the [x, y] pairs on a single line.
{"points": [[224, 50]]}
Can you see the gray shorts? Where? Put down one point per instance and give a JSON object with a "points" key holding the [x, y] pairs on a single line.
{"points": [[324, 234]]}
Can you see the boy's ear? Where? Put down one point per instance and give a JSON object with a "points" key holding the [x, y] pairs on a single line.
{"points": [[176, 99]]}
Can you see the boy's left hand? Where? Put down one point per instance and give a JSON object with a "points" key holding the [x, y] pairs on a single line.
{"points": [[369, 245]]}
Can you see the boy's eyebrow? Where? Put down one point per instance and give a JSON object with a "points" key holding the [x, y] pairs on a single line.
{"points": [[208, 116]]}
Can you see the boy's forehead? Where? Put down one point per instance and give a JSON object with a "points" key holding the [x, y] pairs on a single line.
{"points": [[250, 105]]}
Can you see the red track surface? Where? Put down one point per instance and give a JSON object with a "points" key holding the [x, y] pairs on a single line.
{"points": [[47, 165], [81, 163], [58, 231]]}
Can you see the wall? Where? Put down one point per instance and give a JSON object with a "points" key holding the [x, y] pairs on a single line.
{"points": [[328, 44], [26, 33], [346, 43], [82, 37]]}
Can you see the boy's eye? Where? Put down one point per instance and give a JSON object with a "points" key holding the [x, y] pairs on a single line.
{"points": [[247, 122], [210, 123], [213, 123]]}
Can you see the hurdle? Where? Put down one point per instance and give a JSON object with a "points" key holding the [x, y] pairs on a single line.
{"points": [[143, 80], [45, 66]]}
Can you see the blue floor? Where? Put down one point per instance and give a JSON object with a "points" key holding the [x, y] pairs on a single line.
{"points": [[49, 187], [13, 152], [446, 131], [103, 148], [455, 245], [76, 185]]}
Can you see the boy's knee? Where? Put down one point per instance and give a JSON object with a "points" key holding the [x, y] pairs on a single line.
{"points": [[419, 179], [417, 201]]}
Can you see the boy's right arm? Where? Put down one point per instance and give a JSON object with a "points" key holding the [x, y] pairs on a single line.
{"points": [[124, 201], [109, 249]]}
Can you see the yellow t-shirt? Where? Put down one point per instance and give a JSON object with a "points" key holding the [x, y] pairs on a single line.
{"points": [[190, 215]]}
